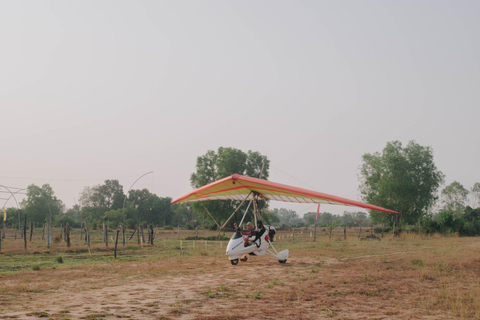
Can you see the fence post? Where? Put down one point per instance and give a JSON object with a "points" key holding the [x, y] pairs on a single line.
{"points": [[25, 232], [138, 233], [116, 242], [151, 234], [123, 234], [67, 234]]}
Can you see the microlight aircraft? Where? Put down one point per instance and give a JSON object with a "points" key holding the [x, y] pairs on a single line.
{"points": [[241, 188]]}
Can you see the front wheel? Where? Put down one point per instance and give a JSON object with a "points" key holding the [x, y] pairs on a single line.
{"points": [[234, 262], [282, 261]]}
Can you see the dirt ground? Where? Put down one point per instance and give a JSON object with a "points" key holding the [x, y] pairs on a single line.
{"points": [[210, 288], [408, 277]]}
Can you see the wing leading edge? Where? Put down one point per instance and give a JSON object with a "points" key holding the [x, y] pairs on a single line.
{"points": [[238, 187]]}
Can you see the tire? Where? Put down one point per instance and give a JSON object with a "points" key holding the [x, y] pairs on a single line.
{"points": [[234, 262], [282, 261], [244, 259]]}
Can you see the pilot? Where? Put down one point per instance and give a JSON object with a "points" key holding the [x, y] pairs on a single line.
{"points": [[248, 234]]}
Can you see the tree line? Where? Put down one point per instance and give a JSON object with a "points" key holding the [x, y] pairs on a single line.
{"points": [[401, 178]]}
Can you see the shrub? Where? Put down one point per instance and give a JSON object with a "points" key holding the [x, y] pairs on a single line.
{"points": [[59, 259], [189, 227], [168, 227]]}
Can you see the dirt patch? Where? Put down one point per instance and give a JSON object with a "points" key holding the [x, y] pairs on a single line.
{"points": [[210, 288]]}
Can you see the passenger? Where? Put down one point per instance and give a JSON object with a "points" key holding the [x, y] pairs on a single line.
{"points": [[248, 234]]}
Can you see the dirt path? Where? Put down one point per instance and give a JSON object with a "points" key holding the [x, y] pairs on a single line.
{"points": [[210, 288]]}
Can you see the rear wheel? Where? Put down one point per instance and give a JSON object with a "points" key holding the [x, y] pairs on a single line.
{"points": [[234, 262], [282, 261]]}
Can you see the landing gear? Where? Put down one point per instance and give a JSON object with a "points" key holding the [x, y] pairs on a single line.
{"points": [[245, 258], [234, 262], [282, 261]]}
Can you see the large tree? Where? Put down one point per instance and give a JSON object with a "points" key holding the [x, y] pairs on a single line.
{"points": [[404, 179], [213, 166]]}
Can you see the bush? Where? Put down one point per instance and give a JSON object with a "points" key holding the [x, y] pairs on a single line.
{"points": [[59, 259], [168, 227], [379, 229], [189, 227]]}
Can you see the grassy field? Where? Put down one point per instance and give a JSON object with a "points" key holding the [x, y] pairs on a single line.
{"points": [[408, 277]]}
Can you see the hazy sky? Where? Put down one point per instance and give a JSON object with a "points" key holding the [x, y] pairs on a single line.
{"points": [[95, 90]]}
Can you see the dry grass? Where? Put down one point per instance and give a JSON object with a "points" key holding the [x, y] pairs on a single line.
{"points": [[408, 277]]}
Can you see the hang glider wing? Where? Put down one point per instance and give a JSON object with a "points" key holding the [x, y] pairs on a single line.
{"points": [[238, 187]]}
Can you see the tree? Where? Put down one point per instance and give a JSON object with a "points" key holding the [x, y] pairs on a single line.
{"points": [[213, 166], [148, 208], [476, 193], [309, 218], [270, 217], [402, 179], [99, 199], [107, 196], [40, 202], [454, 198], [286, 216]]}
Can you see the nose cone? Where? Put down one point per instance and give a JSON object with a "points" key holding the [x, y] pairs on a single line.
{"points": [[234, 245]]}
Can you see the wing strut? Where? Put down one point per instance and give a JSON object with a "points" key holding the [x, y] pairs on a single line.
{"points": [[211, 217], [234, 212]]}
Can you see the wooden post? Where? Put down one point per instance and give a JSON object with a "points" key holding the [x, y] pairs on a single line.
{"points": [[25, 232], [43, 232], [123, 234], [138, 233], [143, 235], [151, 234], [148, 233], [116, 242], [133, 233], [104, 233], [87, 234], [67, 234], [315, 233], [106, 236], [31, 231], [345, 232]]}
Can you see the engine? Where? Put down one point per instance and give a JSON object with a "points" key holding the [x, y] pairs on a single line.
{"points": [[271, 233]]}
